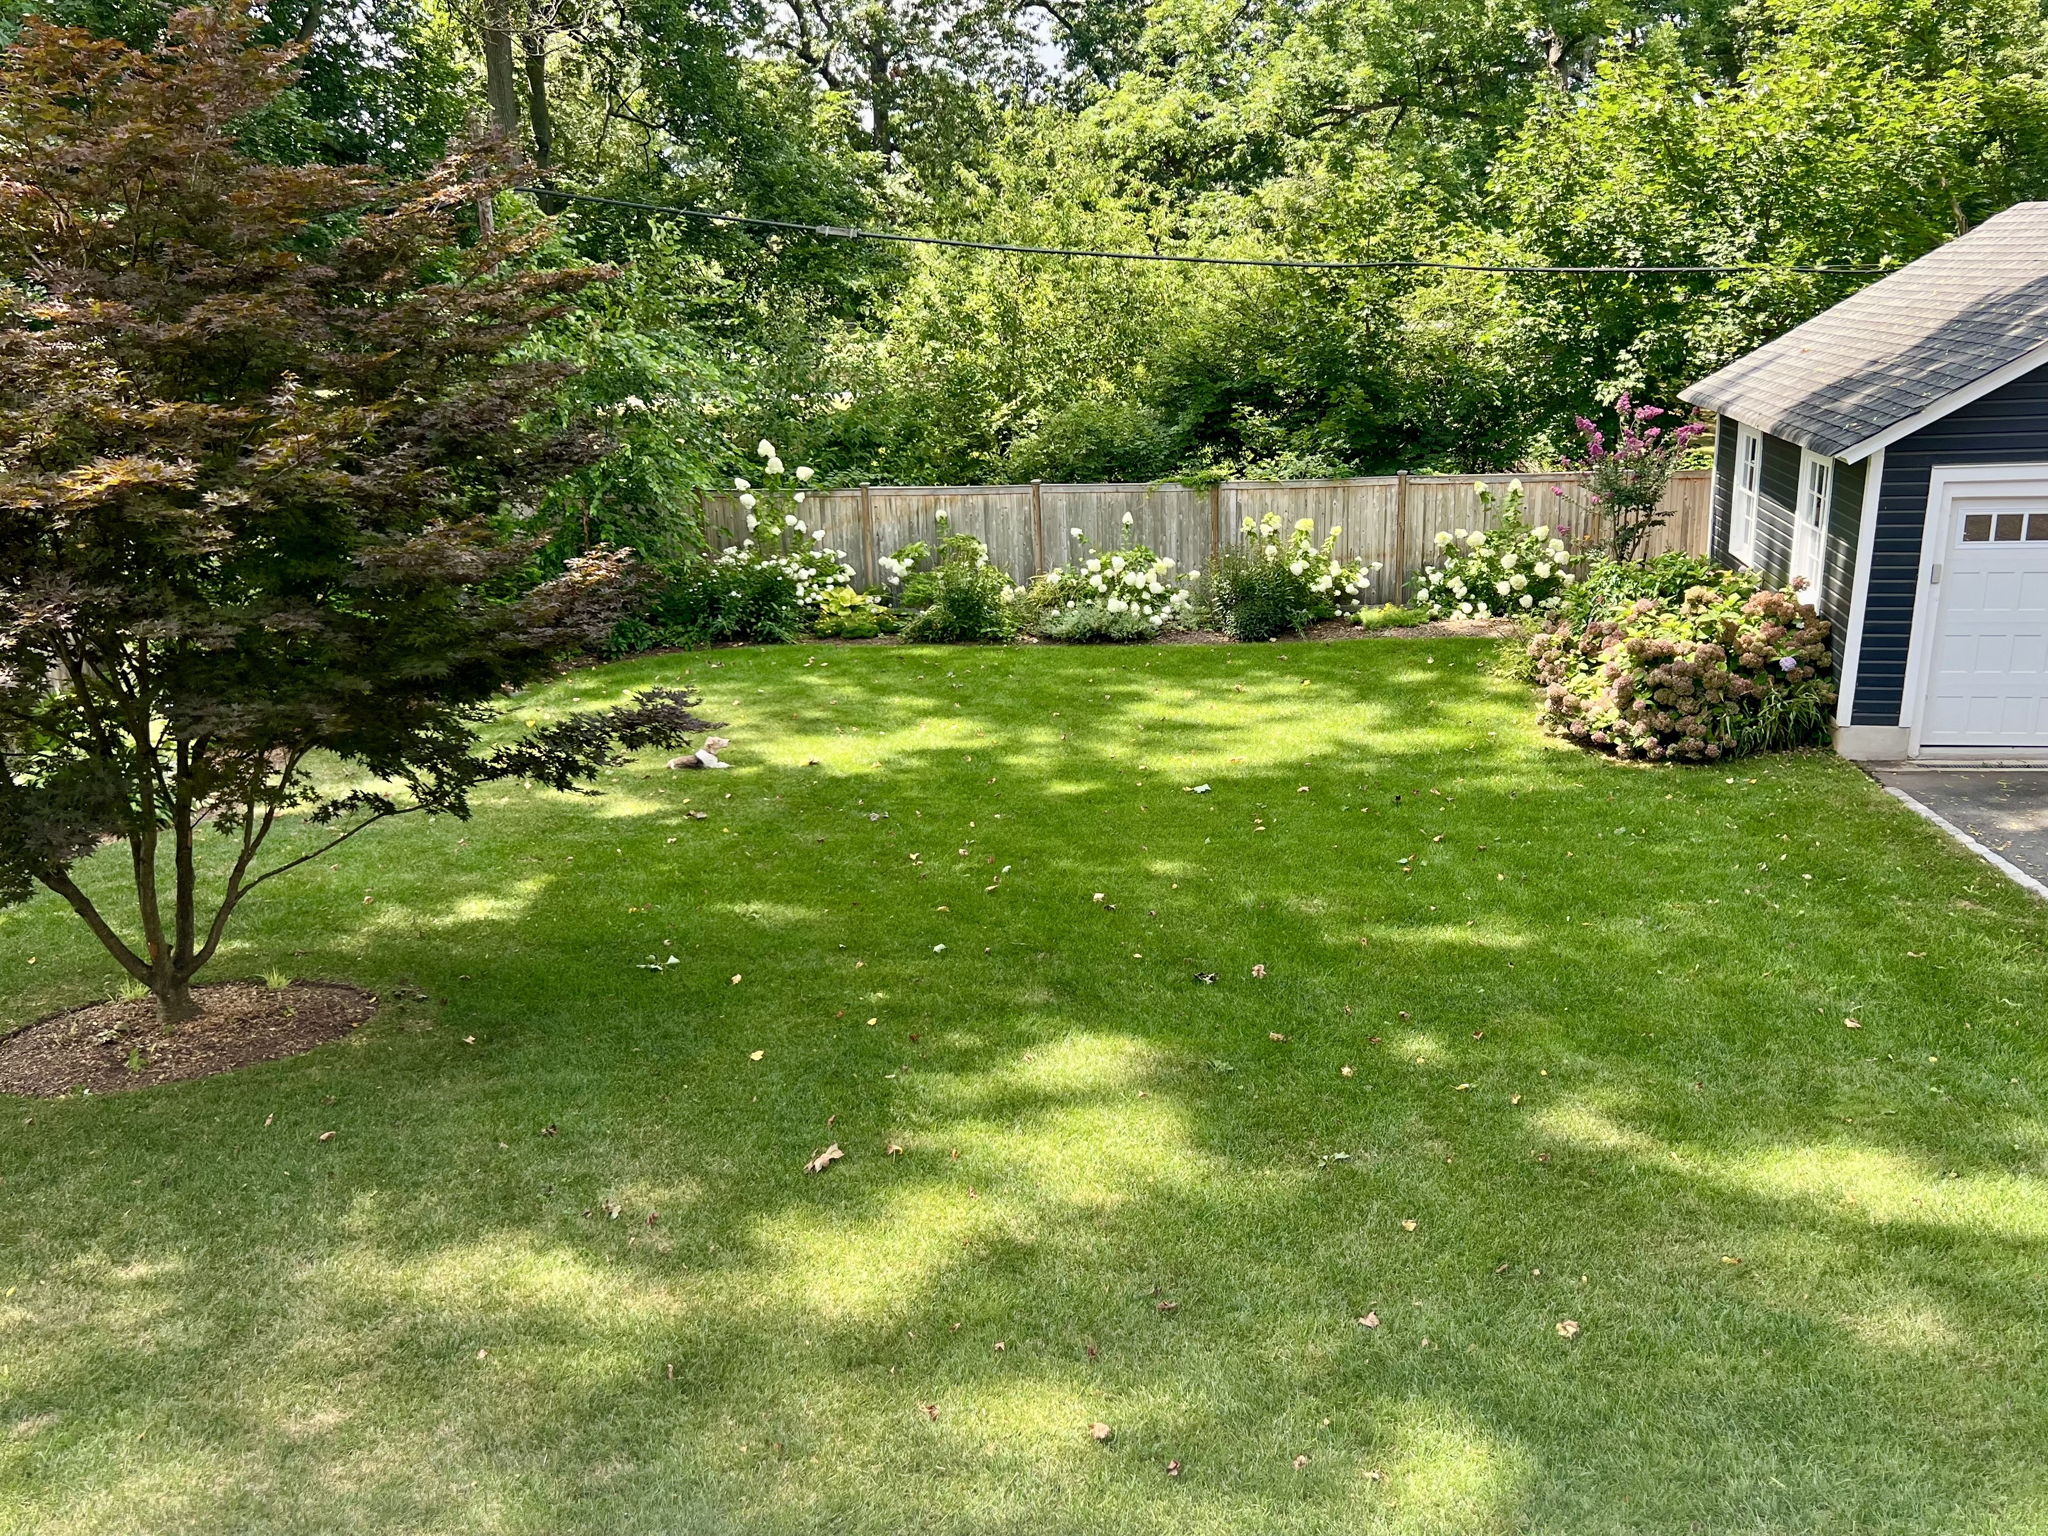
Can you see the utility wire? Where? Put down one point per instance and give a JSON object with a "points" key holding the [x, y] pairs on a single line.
{"points": [[840, 232]]}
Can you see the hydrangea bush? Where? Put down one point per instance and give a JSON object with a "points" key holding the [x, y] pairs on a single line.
{"points": [[961, 600], [1270, 585], [1722, 671], [1128, 593], [1508, 571], [772, 585]]}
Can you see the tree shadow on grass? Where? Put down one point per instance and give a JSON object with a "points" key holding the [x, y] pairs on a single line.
{"points": [[1148, 1208]]}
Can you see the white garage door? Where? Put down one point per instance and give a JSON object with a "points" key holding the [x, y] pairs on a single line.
{"points": [[1988, 670]]}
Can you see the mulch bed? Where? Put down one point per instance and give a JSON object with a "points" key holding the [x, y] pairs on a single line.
{"points": [[240, 1023]]}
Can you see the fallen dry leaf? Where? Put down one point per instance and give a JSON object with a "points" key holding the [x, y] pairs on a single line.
{"points": [[1347, 1071], [824, 1159], [1173, 1469], [931, 1410], [1852, 1024], [1568, 1329], [327, 1136], [1259, 971], [1300, 1462], [736, 981], [1274, 1034], [1375, 1476], [1408, 1224], [1100, 1431], [755, 1055], [1370, 1320]]}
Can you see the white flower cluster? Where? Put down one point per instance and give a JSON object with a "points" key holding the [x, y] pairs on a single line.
{"points": [[1130, 580], [795, 550], [1510, 571], [787, 544], [1342, 583]]}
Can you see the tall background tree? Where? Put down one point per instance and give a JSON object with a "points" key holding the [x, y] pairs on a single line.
{"points": [[270, 464], [1703, 132]]}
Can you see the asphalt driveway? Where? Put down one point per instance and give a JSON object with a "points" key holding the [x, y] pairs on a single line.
{"points": [[2005, 809]]}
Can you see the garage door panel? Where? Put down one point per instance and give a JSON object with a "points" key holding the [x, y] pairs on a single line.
{"points": [[1987, 663]]}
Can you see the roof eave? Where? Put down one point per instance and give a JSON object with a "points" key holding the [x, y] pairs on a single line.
{"points": [[1856, 452]]}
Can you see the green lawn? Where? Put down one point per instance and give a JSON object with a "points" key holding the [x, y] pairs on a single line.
{"points": [[1595, 1030]]}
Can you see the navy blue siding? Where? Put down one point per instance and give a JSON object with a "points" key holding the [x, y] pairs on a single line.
{"points": [[2007, 426], [1845, 525], [1780, 494]]}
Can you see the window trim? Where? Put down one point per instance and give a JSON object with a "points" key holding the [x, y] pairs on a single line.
{"points": [[1809, 554], [1745, 502]]}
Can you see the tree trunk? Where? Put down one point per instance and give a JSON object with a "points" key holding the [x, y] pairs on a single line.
{"points": [[537, 99], [174, 1003], [501, 87]]}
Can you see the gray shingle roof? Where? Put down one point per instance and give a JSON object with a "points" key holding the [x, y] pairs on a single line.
{"points": [[1899, 346]]}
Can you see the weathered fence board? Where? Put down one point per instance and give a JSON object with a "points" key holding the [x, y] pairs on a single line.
{"points": [[1393, 519]]}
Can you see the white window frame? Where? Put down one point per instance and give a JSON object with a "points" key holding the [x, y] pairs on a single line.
{"points": [[1809, 556], [1745, 491]]}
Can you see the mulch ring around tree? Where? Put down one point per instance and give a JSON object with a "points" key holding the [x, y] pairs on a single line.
{"points": [[112, 1047]]}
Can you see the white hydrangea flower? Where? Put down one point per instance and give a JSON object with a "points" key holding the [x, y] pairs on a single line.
{"points": [[1298, 567], [774, 465], [804, 471], [764, 449], [742, 483], [748, 502]]}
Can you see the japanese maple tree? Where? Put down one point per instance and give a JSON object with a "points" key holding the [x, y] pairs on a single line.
{"points": [[268, 462]]}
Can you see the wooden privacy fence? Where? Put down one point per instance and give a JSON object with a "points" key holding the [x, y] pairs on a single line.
{"points": [[1393, 519]]}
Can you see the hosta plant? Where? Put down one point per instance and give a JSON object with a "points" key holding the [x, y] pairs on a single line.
{"points": [[1508, 571], [1722, 671], [849, 615]]}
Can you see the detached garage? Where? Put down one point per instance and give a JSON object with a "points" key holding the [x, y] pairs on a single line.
{"points": [[1893, 450]]}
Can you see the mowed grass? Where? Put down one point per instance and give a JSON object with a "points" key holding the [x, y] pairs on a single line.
{"points": [[1539, 1039]]}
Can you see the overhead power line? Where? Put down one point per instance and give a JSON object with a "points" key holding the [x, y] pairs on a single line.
{"points": [[842, 232]]}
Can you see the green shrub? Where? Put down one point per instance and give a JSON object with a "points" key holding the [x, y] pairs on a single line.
{"points": [[1719, 672], [1508, 571], [966, 600], [1391, 616], [1092, 621], [1268, 586], [1610, 585]]}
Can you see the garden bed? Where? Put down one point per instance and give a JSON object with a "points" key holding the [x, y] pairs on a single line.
{"points": [[114, 1046]]}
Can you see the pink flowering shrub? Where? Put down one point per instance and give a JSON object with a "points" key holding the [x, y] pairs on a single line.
{"points": [[1721, 672], [1626, 478]]}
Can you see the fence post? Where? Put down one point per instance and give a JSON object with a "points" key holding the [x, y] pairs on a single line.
{"points": [[867, 533], [1400, 560], [1215, 521], [1038, 527]]}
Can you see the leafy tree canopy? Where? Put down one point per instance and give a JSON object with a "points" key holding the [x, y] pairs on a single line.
{"points": [[270, 460]]}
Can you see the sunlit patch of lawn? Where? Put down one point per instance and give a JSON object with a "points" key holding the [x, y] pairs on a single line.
{"points": [[1557, 1041]]}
